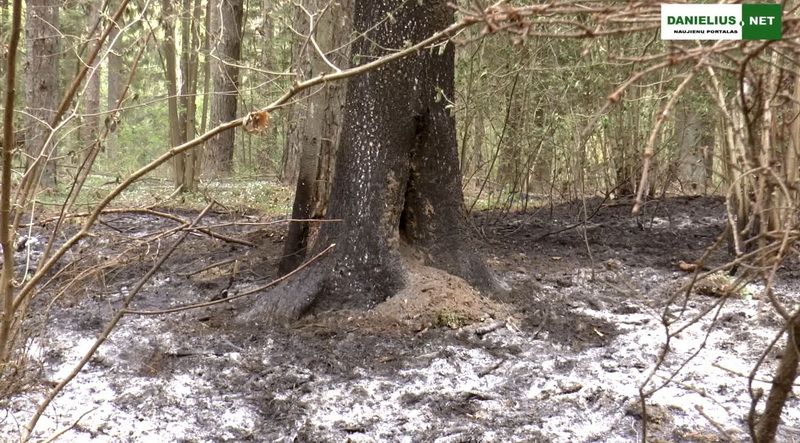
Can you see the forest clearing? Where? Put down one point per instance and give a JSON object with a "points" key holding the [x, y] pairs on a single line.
{"points": [[395, 220]]}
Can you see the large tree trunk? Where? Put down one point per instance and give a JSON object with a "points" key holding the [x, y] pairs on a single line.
{"points": [[226, 31], [41, 81], [316, 124], [397, 185]]}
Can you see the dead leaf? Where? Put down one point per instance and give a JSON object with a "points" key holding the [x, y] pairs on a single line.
{"points": [[256, 121], [687, 267]]}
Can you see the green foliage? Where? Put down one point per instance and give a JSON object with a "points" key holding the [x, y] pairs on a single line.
{"points": [[140, 137], [522, 111], [520, 108], [263, 196], [449, 319]]}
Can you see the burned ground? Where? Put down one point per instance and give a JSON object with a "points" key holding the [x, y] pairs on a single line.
{"points": [[558, 358]]}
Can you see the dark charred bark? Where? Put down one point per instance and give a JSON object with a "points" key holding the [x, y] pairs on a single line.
{"points": [[316, 124], [397, 184], [226, 37]]}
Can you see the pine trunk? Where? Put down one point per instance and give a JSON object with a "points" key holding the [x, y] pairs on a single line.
{"points": [[91, 119], [115, 77], [226, 37], [41, 83], [397, 179], [188, 104], [689, 130], [316, 125], [175, 135]]}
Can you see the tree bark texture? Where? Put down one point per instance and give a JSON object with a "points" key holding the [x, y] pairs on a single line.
{"points": [[188, 90], [115, 75], [315, 123], [226, 42], [782, 383], [41, 81], [91, 120], [170, 56], [397, 184]]}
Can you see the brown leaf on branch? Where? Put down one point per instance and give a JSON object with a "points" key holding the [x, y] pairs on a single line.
{"points": [[256, 121]]}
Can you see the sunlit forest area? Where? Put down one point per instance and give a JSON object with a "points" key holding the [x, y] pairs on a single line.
{"points": [[395, 220]]}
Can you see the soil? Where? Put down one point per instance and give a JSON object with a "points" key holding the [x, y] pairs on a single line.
{"points": [[561, 357]]}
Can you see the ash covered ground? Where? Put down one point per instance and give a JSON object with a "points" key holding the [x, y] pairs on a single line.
{"points": [[559, 358]]}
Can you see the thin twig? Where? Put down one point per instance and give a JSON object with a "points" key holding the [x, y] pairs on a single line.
{"points": [[228, 299], [206, 268], [66, 429], [109, 328]]}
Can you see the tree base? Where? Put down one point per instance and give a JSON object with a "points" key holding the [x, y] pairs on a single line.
{"points": [[428, 297]]}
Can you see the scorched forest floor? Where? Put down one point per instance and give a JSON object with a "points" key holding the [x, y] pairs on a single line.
{"points": [[559, 358]]}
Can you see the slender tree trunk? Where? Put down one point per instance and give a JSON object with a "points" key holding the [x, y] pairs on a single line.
{"points": [[691, 170], [268, 57], [266, 32], [4, 28], [114, 81], [188, 104], [175, 135], [226, 31], [206, 67], [397, 179], [708, 143], [115, 75], [41, 82], [627, 137], [91, 121], [301, 62], [510, 158], [477, 148], [181, 103], [782, 383], [543, 166], [316, 124]]}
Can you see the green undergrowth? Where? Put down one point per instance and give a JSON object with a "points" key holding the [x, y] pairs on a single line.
{"points": [[244, 195]]}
